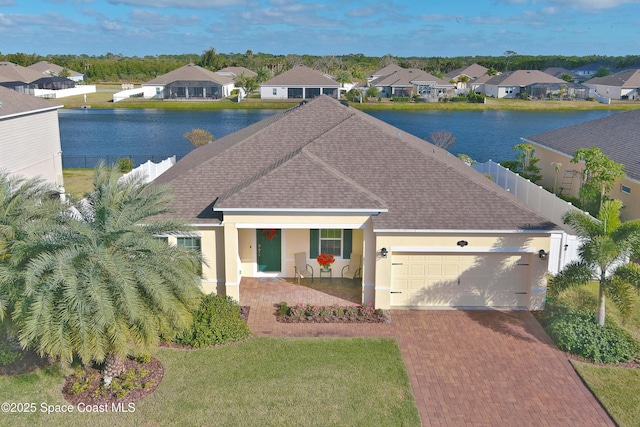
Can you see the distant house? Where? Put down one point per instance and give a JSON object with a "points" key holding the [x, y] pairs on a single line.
{"points": [[403, 82], [589, 70], [22, 79], [472, 72], [299, 82], [189, 82], [616, 136], [30, 142], [323, 177], [49, 69], [509, 85], [559, 72], [622, 85], [384, 71], [234, 72]]}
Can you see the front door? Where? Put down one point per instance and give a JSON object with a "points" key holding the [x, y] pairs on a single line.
{"points": [[269, 242]]}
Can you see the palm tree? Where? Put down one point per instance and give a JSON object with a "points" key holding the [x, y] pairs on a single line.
{"points": [[23, 202], [103, 283], [607, 246]]}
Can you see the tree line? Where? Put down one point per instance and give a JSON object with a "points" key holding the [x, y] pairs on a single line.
{"points": [[112, 67]]}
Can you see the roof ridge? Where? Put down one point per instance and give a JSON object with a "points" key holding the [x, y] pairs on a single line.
{"points": [[288, 156]]}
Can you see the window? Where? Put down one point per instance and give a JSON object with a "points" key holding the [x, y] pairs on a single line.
{"points": [[625, 189], [189, 242], [331, 241], [275, 91]]}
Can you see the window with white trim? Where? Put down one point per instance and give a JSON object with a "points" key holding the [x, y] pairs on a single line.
{"points": [[331, 241], [625, 189], [275, 91], [189, 242]]}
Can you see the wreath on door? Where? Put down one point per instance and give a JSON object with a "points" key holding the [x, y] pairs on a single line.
{"points": [[269, 233]]}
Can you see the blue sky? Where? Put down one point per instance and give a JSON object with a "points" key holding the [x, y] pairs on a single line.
{"points": [[329, 27]]}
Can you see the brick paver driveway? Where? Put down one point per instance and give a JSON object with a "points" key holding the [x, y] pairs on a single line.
{"points": [[467, 368]]}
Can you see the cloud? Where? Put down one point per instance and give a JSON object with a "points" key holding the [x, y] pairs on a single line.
{"points": [[182, 4], [593, 4], [432, 18], [155, 21]]}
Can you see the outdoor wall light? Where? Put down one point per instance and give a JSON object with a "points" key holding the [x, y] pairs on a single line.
{"points": [[462, 243], [384, 252], [542, 254]]}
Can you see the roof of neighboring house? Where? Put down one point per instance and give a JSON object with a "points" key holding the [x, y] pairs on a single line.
{"points": [[51, 69], [472, 71], [522, 78], [236, 71], [323, 156], [559, 71], [13, 103], [627, 78], [593, 67], [10, 72], [190, 72], [406, 77], [616, 136], [386, 70], [301, 76]]}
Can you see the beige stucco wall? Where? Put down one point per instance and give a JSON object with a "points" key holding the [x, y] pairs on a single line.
{"points": [[30, 146], [547, 162]]}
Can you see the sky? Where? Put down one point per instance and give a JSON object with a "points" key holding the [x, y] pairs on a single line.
{"points": [[401, 28]]}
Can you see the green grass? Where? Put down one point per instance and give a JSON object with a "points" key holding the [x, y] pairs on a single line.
{"points": [[262, 381], [617, 388], [78, 182]]}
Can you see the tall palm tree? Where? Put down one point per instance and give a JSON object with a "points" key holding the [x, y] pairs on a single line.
{"points": [[102, 284], [23, 202], [607, 246]]}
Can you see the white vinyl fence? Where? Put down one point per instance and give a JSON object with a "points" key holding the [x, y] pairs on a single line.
{"points": [[152, 170], [564, 246]]}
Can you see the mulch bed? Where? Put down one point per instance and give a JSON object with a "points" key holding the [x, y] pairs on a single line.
{"points": [[30, 361], [383, 317], [87, 397]]}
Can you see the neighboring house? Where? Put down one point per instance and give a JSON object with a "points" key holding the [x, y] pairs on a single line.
{"points": [[233, 72], [325, 177], [559, 72], [30, 142], [509, 85], [472, 72], [622, 85], [189, 82], [405, 82], [477, 85], [299, 82], [32, 82], [53, 70], [17, 77], [589, 70], [617, 136], [384, 71]]}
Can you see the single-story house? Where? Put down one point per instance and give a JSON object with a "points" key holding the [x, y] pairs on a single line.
{"points": [[616, 135], [589, 70], [472, 72], [49, 69], [384, 71], [299, 82], [323, 177], [234, 72], [30, 143], [559, 72], [509, 85], [17, 77], [405, 82], [189, 82], [622, 85]]}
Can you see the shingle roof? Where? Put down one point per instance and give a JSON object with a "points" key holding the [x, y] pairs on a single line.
{"points": [[323, 156], [236, 71], [13, 103], [627, 78], [10, 72], [522, 78], [618, 136], [472, 71], [49, 68], [386, 70], [190, 72], [301, 76], [406, 77]]}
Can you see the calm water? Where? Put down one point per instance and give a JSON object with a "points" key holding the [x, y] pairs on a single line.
{"points": [[143, 134]]}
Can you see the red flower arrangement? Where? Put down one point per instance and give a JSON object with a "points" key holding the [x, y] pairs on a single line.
{"points": [[326, 260], [269, 233]]}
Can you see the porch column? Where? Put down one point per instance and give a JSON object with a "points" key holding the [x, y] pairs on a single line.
{"points": [[231, 261], [369, 265]]}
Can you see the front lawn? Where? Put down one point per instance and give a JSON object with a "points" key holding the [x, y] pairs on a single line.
{"points": [[262, 381]]}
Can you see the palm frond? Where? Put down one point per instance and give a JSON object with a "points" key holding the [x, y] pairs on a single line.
{"points": [[573, 275], [623, 295], [584, 225]]}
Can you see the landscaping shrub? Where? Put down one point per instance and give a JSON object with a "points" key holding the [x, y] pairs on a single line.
{"points": [[475, 98], [400, 99], [125, 164], [217, 321], [577, 332], [458, 99]]}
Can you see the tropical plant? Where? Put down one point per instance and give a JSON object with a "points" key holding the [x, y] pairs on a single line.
{"points": [[600, 174], [525, 163], [372, 92], [98, 282], [248, 84], [607, 246]]}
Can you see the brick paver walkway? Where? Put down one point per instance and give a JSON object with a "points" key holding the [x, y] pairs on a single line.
{"points": [[467, 368]]}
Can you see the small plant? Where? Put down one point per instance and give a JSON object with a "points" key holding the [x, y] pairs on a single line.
{"points": [[83, 382], [125, 164], [283, 309], [141, 358], [8, 354]]}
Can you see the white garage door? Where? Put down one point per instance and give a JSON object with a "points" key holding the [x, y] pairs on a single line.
{"points": [[460, 280]]}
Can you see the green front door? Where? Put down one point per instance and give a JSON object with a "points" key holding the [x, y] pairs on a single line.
{"points": [[268, 247]]}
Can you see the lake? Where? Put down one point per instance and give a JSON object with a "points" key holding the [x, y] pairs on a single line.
{"points": [[88, 135]]}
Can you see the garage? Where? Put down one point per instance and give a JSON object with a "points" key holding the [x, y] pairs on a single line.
{"points": [[473, 280]]}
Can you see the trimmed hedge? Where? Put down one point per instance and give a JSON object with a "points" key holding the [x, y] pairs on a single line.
{"points": [[217, 321], [577, 332]]}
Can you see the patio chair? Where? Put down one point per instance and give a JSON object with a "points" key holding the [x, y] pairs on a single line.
{"points": [[302, 269], [352, 270]]}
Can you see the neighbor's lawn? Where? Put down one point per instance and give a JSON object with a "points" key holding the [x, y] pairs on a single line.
{"points": [[78, 182], [263, 381], [617, 388]]}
